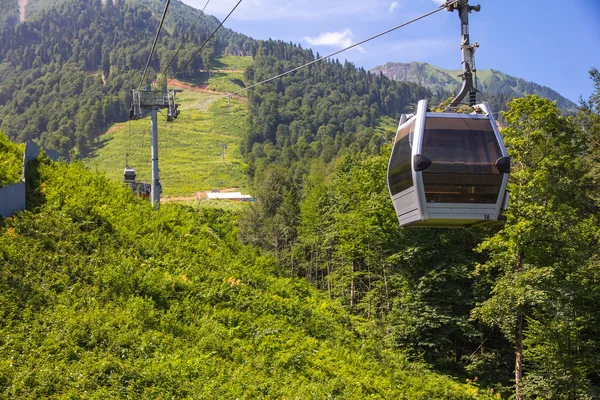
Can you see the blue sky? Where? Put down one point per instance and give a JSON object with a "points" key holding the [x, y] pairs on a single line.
{"points": [[553, 45]]}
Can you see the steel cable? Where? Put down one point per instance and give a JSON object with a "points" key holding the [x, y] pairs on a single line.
{"points": [[440, 8], [186, 38], [209, 38], [162, 20]]}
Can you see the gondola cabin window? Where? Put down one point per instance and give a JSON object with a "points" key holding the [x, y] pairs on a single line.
{"points": [[463, 152], [400, 172]]}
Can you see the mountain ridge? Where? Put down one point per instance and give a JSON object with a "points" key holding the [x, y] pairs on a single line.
{"points": [[490, 81]]}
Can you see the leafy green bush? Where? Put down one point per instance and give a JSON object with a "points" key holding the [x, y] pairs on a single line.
{"points": [[11, 161]]}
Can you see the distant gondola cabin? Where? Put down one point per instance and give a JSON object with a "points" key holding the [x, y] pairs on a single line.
{"points": [[129, 175]]}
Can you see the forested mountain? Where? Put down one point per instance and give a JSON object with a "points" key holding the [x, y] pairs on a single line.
{"points": [[10, 14], [319, 111], [496, 87], [64, 79]]}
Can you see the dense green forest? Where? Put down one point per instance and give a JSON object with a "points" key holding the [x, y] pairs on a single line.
{"points": [[64, 80], [102, 297], [10, 14], [320, 111], [465, 301]]}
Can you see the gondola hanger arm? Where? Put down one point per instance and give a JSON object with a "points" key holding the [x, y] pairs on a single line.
{"points": [[468, 53]]}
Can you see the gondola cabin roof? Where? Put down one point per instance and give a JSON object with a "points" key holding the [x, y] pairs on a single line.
{"points": [[448, 169]]}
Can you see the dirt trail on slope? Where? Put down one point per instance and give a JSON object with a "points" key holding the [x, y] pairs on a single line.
{"points": [[22, 4], [203, 87]]}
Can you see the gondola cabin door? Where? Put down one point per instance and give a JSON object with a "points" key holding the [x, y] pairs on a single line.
{"points": [[448, 169]]}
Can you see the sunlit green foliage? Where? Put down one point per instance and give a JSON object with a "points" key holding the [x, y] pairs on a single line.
{"points": [[531, 286], [11, 162], [102, 297], [416, 283], [589, 117], [544, 258]]}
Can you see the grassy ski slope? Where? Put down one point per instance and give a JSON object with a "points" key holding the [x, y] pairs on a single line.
{"points": [[189, 148]]}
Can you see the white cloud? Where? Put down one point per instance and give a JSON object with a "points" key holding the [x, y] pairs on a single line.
{"points": [[439, 2], [393, 6], [337, 39]]}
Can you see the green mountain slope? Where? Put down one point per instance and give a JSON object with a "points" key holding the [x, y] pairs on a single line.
{"points": [[489, 81], [101, 297], [180, 15], [318, 112], [66, 72], [10, 14]]}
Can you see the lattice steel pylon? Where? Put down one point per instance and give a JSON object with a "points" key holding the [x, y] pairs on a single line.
{"points": [[148, 102]]}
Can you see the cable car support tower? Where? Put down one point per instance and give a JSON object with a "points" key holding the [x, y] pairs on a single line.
{"points": [[149, 102]]}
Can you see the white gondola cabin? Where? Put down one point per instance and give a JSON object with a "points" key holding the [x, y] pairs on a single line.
{"points": [[129, 175], [448, 169]]}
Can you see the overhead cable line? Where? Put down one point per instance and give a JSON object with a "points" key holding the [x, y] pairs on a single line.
{"points": [[440, 8], [186, 38], [162, 20], [210, 37]]}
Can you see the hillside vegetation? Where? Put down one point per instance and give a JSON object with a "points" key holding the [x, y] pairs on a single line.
{"points": [[11, 163], [190, 147], [463, 300], [313, 291], [65, 79], [10, 14], [271, 125], [101, 297], [319, 112]]}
